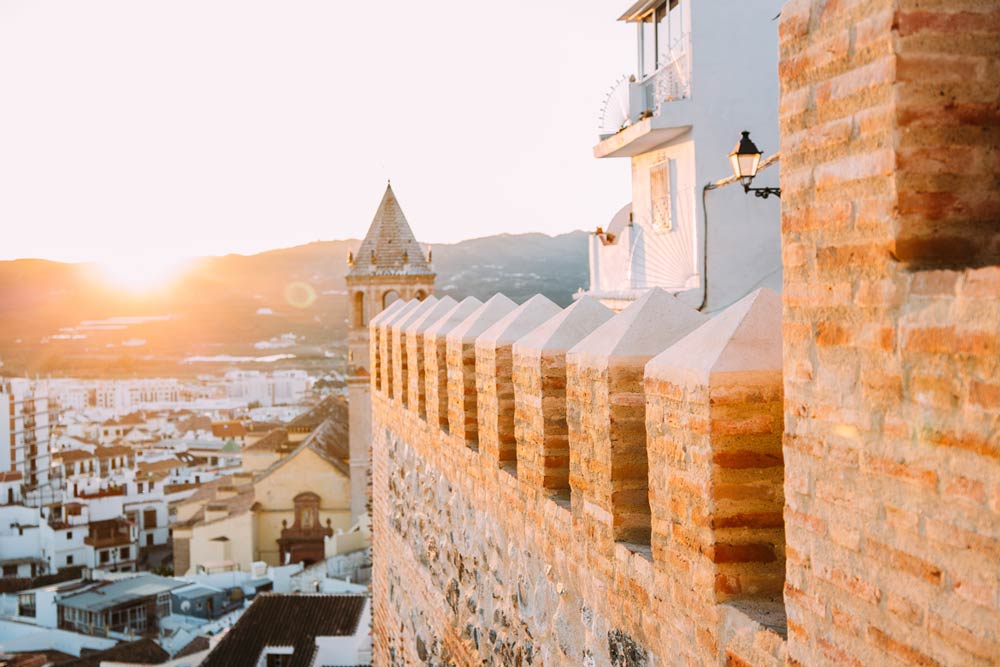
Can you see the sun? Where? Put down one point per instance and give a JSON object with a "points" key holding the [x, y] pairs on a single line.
{"points": [[140, 272]]}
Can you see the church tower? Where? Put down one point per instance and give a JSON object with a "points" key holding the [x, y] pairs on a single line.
{"points": [[390, 264]]}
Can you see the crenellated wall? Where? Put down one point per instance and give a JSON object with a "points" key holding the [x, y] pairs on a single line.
{"points": [[544, 543], [802, 480]]}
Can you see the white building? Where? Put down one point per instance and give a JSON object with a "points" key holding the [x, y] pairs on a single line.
{"points": [[20, 542], [69, 394], [25, 430], [267, 389], [34, 542], [124, 395], [705, 72]]}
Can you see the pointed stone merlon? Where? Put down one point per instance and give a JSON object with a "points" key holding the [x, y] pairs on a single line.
{"points": [[539, 376], [399, 356], [385, 343], [495, 379], [435, 358], [463, 420], [373, 342], [606, 409], [414, 342], [714, 420]]}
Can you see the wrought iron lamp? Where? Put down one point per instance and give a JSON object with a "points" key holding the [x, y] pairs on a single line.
{"points": [[745, 160]]}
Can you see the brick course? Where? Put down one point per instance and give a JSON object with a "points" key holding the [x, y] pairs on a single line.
{"points": [[888, 448]]}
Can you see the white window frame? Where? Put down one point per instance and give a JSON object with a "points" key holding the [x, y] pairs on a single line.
{"points": [[665, 205]]}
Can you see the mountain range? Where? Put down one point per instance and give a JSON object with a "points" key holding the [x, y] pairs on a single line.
{"points": [[67, 319]]}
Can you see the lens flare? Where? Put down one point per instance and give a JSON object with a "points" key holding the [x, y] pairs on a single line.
{"points": [[300, 295]]}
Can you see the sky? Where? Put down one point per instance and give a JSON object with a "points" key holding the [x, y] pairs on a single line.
{"points": [[153, 130]]}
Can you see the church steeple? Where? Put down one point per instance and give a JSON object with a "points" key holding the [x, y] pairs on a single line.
{"points": [[391, 245], [389, 264]]}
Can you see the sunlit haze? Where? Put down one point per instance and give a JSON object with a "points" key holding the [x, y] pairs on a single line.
{"points": [[160, 130], [139, 271]]}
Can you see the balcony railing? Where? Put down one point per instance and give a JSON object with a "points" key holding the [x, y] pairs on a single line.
{"points": [[670, 82], [117, 539], [102, 493]]}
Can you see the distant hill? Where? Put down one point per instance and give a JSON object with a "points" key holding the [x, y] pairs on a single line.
{"points": [[63, 318]]}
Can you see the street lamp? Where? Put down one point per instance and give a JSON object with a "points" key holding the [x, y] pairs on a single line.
{"points": [[745, 160]]}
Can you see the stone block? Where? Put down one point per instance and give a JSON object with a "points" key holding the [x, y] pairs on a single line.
{"points": [[435, 357], [606, 409], [399, 389], [495, 379], [463, 410], [414, 340]]}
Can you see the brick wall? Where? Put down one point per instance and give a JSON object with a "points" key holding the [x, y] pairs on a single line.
{"points": [[889, 121], [473, 563], [415, 348]]}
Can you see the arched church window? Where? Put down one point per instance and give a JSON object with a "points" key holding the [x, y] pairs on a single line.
{"points": [[359, 309]]}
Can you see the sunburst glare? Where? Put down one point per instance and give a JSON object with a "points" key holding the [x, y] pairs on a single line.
{"points": [[141, 273]]}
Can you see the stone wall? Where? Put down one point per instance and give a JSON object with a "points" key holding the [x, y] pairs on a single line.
{"points": [[890, 141], [529, 552], [804, 480]]}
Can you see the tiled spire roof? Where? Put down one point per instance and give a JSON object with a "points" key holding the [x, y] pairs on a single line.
{"points": [[389, 248]]}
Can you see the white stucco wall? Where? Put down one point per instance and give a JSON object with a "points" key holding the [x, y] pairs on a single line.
{"points": [[733, 87]]}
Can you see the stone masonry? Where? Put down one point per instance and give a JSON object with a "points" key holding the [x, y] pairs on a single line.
{"points": [[804, 479], [514, 555], [890, 122]]}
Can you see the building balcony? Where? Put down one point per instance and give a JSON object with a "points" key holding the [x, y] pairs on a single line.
{"points": [[660, 110], [670, 83], [647, 134], [102, 493], [117, 539]]}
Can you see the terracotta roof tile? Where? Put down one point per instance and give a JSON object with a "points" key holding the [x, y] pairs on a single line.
{"points": [[287, 620], [141, 652], [231, 429], [272, 442]]}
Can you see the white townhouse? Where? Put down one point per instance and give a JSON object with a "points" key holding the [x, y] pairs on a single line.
{"points": [[705, 72]]}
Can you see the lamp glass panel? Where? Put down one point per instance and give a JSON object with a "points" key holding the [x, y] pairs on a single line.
{"points": [[734, 160], [749, 164]]}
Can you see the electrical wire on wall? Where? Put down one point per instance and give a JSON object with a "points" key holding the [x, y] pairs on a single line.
{"points": [[729, 180]]}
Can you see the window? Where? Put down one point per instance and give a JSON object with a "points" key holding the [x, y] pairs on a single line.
{"points": [[69, 559], [648, 39], [69, 535], [105, 556], [149, 518], [661, 37], [162, 604], [124, 553], [278, 660], [661, 203], [26, 605], [130, 618], [10, 570], [359, 309]]}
